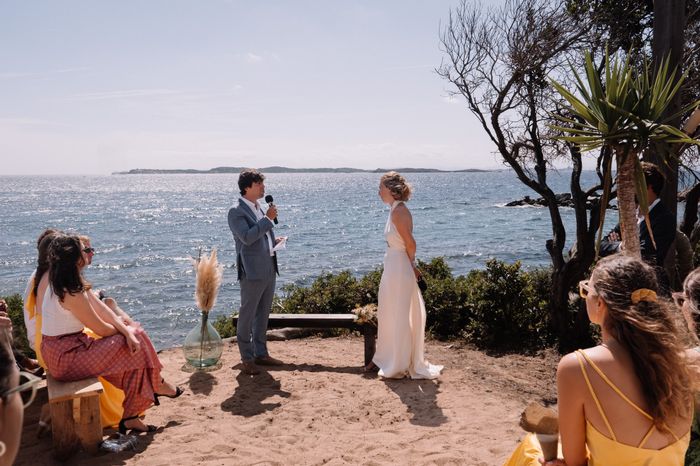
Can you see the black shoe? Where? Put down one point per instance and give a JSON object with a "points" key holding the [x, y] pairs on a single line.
{"points": [[122, 426], [178, 392]]}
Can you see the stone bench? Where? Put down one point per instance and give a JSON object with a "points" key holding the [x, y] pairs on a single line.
{"points": [[75, 415], [321, 321]]}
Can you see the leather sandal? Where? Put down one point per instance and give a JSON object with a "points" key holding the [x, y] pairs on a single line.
{"points": [[150, 428]]}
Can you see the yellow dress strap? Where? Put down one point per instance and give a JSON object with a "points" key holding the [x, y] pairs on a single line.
{"points": [[614, 387], [595, 398], [648, 434]]}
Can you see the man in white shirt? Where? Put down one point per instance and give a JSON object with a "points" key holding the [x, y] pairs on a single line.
{"points": [[257, 269]]}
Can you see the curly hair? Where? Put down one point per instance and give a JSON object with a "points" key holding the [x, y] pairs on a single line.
{"points": [[247, 177], [651, 332], [65, 256], [42, 261], [397, 185]]}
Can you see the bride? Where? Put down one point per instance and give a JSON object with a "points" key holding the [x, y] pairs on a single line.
{"points": [[401, 311]]}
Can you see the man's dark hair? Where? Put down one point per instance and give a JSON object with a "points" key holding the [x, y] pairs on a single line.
{"points": [[247, 178], [653, 177]]}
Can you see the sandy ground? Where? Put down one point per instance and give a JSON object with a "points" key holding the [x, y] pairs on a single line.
{"points": [[319, 408]]}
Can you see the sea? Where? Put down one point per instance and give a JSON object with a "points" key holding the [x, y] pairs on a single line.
{"points": [[148, 228]]}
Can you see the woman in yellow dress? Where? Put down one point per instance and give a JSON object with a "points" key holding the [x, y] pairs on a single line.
{"points": [[629, 400]]}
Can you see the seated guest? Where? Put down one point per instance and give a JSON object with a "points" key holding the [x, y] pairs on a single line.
{"points": [[36, 286], [111, 303], [124, 355], [663, 226], [629, 400]]}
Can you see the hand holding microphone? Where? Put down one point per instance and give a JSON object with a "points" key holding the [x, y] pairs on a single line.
{"points": [[272, 210]]}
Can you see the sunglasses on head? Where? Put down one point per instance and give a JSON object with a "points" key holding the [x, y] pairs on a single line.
{"points": [[89, 250], [584, 289], [26, 388]]}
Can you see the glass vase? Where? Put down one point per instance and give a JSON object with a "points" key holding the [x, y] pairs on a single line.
{"points": [[203, 345]]}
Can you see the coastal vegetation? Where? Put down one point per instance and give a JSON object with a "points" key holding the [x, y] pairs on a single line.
{"points": [[501, 308], [502, 61]]}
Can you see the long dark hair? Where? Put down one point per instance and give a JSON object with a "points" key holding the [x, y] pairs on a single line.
{"points": [[42, 261], [651, 332], [65, 255]]}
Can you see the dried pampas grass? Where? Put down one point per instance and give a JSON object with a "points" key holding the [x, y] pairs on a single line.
{"points": [[209, 275]]}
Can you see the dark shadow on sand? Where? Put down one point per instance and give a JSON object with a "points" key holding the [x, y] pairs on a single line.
{"points": [[317, 368], [420, 398], [251, 392], [202, 383]]}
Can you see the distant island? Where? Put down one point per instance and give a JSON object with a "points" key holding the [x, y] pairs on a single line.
{"points": [[156, 171]]}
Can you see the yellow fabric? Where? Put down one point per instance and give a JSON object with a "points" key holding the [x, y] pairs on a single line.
{"points": [[604, 451], [607, 452], [30, 302], [111, 398], [527, 453]]}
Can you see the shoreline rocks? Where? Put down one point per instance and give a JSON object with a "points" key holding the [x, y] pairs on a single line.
{"points": [[563, 200]]}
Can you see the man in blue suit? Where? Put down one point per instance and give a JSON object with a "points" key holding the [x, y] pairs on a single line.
{"points": [[257, 269]]}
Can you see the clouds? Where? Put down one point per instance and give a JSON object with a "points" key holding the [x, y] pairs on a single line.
{"points": [[252, 58], [242, 83]]}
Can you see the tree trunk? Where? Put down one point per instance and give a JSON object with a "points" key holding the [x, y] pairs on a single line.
{"points": [[669, 29], [627, 208]]}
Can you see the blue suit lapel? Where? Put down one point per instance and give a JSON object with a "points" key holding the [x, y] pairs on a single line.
{"points": [[248, 210]]}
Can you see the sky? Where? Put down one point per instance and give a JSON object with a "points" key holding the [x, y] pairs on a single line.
{"points": [[94, 87]]}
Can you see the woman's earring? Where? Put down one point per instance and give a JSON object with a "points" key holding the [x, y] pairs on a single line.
{"points": [[3, 448]]}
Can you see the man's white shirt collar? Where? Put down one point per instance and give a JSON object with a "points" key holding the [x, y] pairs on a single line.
{"points": [[252, 205]]}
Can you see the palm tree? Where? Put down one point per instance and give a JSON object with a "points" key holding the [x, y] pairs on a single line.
{"points": [[624, 111]]}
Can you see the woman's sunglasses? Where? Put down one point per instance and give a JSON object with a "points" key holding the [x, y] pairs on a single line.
{"points": [[89, 250], [26, 388], [584, 289]]}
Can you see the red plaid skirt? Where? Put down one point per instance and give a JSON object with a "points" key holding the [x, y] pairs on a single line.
{"points": [[76, 356]]}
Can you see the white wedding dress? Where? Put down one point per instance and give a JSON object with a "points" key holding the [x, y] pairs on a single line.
{"points": [[400, 315]]}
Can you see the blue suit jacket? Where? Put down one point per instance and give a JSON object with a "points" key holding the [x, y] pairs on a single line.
{"points": [[252, 249]]}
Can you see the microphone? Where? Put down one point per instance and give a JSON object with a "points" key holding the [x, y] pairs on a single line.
{"points": [[268, 199]]}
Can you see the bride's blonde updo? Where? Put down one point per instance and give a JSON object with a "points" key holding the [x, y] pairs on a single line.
{"points": [[397, 185]]}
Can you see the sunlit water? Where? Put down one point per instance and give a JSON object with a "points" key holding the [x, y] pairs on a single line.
{"points": [[147, 227]]}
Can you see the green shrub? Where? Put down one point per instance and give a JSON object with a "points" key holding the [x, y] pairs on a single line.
{"points": [[15, 310], [508, 308], [224, 325], [445, 299], [329, 294]]}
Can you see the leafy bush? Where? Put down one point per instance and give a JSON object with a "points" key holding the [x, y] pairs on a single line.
{"points": [[330, 294], [15, 310], [445, 299], [224, 325], [508, 308]]}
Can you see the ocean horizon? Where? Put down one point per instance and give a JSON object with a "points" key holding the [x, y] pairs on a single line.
{"points": [[147, 228]]}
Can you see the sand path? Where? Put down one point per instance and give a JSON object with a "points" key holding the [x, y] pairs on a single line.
{"points": [[320, 408]]}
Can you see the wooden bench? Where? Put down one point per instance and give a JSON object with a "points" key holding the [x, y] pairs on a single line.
{"points": [[320, 321], [75, 415]]}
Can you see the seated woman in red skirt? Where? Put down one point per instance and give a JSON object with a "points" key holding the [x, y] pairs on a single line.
{"points": [[124, 355]]}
